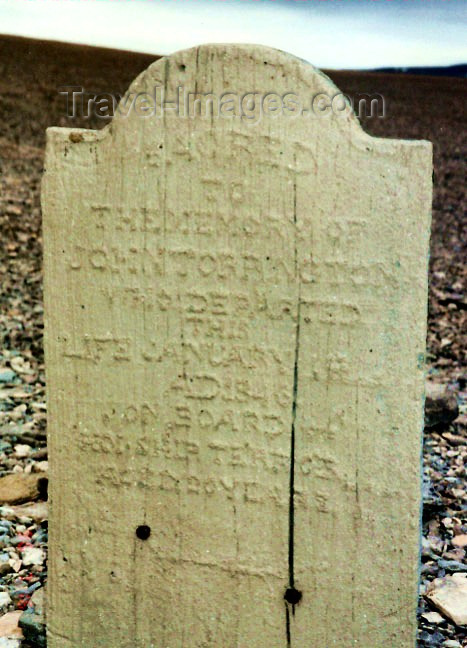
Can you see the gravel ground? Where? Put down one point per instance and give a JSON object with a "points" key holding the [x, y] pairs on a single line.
{"points": [[416, 107]]}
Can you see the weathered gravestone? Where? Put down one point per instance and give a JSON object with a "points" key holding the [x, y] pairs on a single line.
{"points": [[235, 333]]}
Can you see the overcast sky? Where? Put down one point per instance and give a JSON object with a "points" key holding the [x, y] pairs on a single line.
{"points": [[328, 33]]}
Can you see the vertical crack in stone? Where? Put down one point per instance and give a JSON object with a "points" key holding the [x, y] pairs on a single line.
{"points": [[292, 453], [290, 594]]}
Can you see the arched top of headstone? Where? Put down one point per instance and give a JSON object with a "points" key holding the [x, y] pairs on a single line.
{"points": [[247, 83]]}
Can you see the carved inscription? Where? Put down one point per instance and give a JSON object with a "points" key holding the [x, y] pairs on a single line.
{"points": [[234, 326]]}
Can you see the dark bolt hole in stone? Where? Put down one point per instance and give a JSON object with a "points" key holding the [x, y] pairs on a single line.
{"points": [[292, 596], [143, 532]]}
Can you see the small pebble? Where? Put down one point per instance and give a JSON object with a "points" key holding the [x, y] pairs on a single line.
{"points": [[22, 451], [40, 466], [33, 556], [7, 376], [452, 566], [5, 568], [34, 587], [5, 642], [41, 536], [433, 617], [24, 521], [20, 539], [5, 601]]}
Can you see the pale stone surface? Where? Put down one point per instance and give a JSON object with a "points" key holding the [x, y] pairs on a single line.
{"points": [[460, 540], [449, 594], [229, 304], [5, 601], [9, 626], [433, 617]]}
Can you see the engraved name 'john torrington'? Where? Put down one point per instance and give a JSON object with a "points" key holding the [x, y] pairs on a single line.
{"points": [[183, 262]]}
